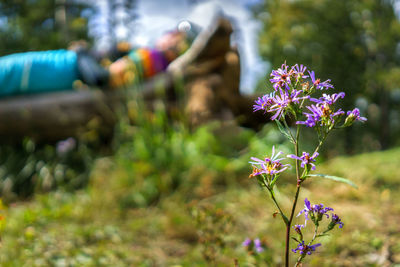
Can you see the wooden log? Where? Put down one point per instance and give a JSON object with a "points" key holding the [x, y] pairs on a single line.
{"points": [[55, 116], [210, 70]]}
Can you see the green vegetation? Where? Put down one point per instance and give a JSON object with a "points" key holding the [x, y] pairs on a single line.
{"points": [[206, 216], [41, 25], [27, 167]]}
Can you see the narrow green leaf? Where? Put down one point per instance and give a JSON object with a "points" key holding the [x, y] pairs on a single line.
{"points": [[283, 130], [295, 239], [334, 178], [321, 235], [285, 219]]}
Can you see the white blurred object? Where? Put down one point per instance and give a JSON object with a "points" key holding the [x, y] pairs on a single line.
{"points": [[155, 17], [184, 26]]}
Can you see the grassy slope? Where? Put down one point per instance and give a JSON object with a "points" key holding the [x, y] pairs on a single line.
{"points": [[89, 228]]}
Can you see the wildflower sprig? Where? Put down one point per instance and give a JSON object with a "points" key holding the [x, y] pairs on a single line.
{"points": [[306, 162], [316, 213], [269, 168], [253, 246], [267, 172], [293, 99]]}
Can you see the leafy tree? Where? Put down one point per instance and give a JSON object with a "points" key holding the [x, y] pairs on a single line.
{"points": [[354, 42], [41, 24]]}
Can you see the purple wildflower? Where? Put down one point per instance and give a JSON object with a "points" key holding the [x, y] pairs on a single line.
{"points": [[298, 227], [336, 220], [317, 82], [315, 212], [270, 166], [352, 116], [253, 244], [283, 101], [246, 242], [281, 77], [307, 209], [319, 210], [299, 71], [329, 99], [65, 146], [258, 245], [264, 102], [321, 114], [303, 248], [306, 159]]}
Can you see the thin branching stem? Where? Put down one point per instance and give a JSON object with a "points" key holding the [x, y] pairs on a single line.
{"points": [[299, 261], [284, 218], [288, 129], [288, 225], [316, 235]]}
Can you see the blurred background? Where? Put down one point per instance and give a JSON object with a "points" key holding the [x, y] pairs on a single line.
{"points": [[155, 172]]}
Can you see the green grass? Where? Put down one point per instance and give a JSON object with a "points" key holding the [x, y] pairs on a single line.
{"points": [[91, 228]]}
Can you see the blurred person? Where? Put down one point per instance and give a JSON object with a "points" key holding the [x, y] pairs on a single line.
{"points": [[45, 71], [56, 70], [143, 63]]}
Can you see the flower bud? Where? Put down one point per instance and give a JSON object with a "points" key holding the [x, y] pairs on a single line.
{"points": [[335, 220], [352, 116], [350, 119], [297, 229]]}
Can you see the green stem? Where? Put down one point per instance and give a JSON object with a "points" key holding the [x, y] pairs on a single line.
{"points": [[284, 218], [288, 129], [316, 150], [288, 225], [299, 261], [296, 149], [302, 102], [314, 236], [320, 143]]}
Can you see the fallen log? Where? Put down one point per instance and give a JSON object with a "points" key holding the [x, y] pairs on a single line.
{"points": [[210, 70], [56, 116]]}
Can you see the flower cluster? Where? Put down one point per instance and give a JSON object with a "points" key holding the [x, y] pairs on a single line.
{"points": [[292, 87], [335, 220], [298, 227], [305, 249], [279, 102], [314, 212], [270, 165], [293, 100], [306, 160], [264, 102], [328, 99], [352, 116], [318, 84], [255, 245], [285, 97]]}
